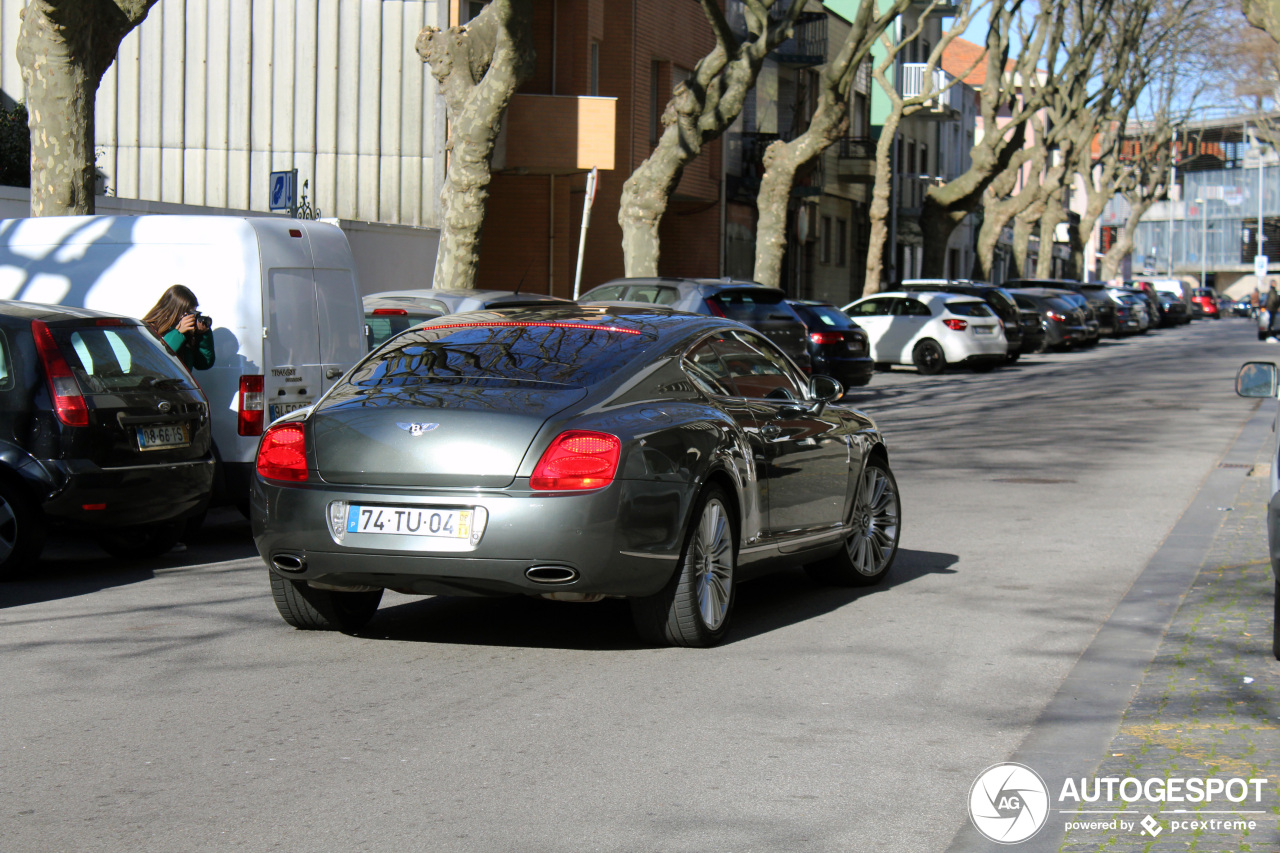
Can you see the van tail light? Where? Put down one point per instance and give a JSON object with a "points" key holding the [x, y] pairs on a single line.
{"points": [[68, 401], [577, 460], [955, 325], [823, 338], [714, 308], [250, 419], [282, 455]]}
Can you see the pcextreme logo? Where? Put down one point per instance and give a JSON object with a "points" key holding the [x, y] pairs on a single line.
{"points": [[1008, 803]]}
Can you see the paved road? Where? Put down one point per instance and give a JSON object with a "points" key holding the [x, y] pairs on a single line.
{"points": [[167, 708]]}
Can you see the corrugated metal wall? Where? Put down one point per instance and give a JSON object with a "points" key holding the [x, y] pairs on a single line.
{"points": [[208, 97]]}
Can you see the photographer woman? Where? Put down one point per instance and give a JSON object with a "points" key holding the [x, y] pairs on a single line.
{"points": [[188, 333]]}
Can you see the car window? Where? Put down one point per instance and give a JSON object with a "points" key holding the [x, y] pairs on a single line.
{"points": [[756, 369], [605, 293], [753, 306], [911, 308], [385, 326], [1058, 304], [870, 308], [6, 364], [1025, 302], [109, 359], [653, 293], [495, 355], [704, 367], [969, 309], [827, 315]]}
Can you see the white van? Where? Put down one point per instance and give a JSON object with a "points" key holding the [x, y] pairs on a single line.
{"points": [[282, 294]]}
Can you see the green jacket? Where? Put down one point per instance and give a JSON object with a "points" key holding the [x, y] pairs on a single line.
{"points": [[194, 349]]}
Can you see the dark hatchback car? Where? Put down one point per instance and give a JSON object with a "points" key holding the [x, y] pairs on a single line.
{"points": [[574, 454], [838, 346], [762, 308], [1104, 308], [1034, 336], [998, 298], [1063, 321], [101, 429]]}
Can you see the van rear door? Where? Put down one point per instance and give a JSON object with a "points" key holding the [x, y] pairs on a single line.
{"points": [[291, 346], [341, 323]]}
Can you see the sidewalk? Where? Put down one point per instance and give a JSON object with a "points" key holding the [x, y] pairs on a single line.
{"points": [[1209, 703]]}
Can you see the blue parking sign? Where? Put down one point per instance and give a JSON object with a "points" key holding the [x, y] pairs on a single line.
{"points": [[283, 186]]}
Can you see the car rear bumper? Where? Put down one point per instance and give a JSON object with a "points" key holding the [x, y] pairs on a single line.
{"points": [[622, 540], [135, 495]]}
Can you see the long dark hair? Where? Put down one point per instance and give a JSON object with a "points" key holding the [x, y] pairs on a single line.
{"points": [[176, 301]]}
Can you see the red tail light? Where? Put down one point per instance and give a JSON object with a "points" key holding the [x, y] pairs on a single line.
{"points": [[827, 337], [68, 402], [251, 408], [714, 308], [577, 460], [1054, 315], [282, 455], [955, 325], [395, 312]]}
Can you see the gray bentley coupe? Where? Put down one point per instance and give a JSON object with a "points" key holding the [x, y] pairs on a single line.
{"points": [[575, 453]]}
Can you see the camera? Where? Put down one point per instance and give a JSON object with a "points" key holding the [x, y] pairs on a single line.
{"points": [[203, 321]]}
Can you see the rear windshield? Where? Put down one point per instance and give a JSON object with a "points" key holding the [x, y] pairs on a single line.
{"points": [[969, 309], [1061, 305], [753, 306], [828, 315], [498, 355], [384, 327], [109, 359]]}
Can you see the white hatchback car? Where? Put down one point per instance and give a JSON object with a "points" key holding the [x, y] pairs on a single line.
{"points": [[931, 330]]}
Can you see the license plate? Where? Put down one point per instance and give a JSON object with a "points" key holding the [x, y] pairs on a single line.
{"points": [[160, 436], [982, 330], [279, 410], [435, 522]]}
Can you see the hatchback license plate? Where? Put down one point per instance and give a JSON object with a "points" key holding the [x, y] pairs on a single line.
{"points": [[439, 523], [982, 330], [279, 410], [161, 436]]}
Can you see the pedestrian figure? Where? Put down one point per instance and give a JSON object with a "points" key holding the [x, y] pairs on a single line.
{"points": [[1272, 306], [186, 331]]}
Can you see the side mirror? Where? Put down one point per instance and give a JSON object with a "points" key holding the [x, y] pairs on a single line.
{"points": [[824, 389], [1256, 379]]}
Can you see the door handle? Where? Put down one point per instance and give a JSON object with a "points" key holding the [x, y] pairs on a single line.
{"points": [[770, 431], [333, 373]]}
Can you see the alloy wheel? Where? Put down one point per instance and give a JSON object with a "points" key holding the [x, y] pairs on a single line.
{"points": [[711, 559], [875, 523]]}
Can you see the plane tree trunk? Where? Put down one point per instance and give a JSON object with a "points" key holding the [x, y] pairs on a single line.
{"points": [[64, 47], [479, 65]]}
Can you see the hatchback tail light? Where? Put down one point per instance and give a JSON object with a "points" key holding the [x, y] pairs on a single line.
{"points": [[714, 308], [250, 418], [1054, 315], [282, 455], [390, 312], [577, 460], [68, 401], [827, 337], [955, 325]]}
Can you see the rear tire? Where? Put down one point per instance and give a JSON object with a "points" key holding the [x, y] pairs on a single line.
{"points": [[875, 523], [310, 609], [929, 358], [21, 530], [693, 609], [142, 542]]}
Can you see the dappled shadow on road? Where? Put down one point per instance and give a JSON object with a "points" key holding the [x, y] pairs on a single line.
{"points": [[763, 605], [74, 565]]}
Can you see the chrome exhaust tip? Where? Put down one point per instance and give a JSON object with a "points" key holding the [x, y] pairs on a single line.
{"points": [[551, 574], [288, 562]]}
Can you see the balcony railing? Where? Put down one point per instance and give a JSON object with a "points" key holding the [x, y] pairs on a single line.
{"points": [[856, 160], [916, 81]]}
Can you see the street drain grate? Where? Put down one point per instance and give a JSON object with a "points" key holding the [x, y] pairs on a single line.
{"points": [[1032, 481]]}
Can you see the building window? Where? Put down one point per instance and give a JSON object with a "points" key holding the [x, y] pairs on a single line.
{"points": [[595, 68], [842, 242], [824, 247], [472, 8], [655, 105], [911, 159]]}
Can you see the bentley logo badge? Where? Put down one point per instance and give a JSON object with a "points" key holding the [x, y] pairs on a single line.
{"points": [[416, 429]]}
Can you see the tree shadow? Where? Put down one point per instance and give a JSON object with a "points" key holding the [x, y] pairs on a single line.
{"points": [[763, 605]]}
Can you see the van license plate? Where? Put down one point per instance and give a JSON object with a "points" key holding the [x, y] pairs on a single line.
{"points": [[279, 410], [440, 523], [163, 435]]}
